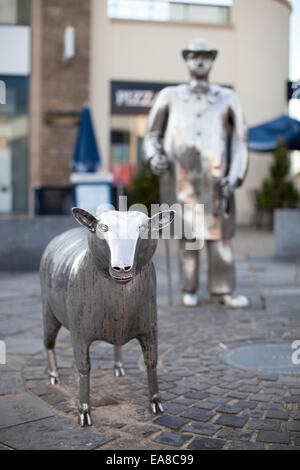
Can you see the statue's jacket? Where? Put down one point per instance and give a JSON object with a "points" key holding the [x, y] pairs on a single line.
{"points": [[203, 135]]}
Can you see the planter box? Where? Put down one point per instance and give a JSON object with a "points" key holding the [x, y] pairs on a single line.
{"points": [[23, 239], [287, 231]]}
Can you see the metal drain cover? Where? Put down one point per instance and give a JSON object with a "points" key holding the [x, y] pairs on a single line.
{"points": [[265, 358]]}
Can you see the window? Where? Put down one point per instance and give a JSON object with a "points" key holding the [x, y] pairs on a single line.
{"points": [[14, 129], [189, 11], [15, 12]]}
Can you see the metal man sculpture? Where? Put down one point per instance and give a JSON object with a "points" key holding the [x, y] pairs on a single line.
{"points": [[100, 284], [196, 141]]}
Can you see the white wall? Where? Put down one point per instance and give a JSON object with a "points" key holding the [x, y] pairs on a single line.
{"points": [[253, 57], [146, 51], [262, 51]]}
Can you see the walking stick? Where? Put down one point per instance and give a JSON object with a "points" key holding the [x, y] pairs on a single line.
{"points": [[163, 184]]}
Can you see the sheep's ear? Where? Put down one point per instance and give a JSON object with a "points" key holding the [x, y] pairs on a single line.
{"points": [[161, 220], [85, 219]]}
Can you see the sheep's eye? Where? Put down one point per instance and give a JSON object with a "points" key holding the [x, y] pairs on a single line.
{"points": [[144, 228], [103, 228]]}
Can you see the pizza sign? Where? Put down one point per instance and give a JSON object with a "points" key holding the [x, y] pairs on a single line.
{"points": [[134, 97]]}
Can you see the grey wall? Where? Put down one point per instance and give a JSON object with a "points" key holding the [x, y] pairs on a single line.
{"points": [[287, 232], [23, 240]]}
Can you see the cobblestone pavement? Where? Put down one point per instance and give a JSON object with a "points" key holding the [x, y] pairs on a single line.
{"points": [[208, 403]]}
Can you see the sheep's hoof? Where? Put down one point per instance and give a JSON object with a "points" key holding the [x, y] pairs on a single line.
{"points": [[155, 405], [119, 369], [84, 416]]}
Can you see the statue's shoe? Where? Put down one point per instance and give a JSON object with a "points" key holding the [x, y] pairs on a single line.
{"points": [[234, 301], [190, 300]]}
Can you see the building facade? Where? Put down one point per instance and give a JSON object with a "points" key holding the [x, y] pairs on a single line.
{"points": [[125, 51]]}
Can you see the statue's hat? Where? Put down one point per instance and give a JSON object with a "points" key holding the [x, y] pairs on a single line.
{"points": [[199, 45]]}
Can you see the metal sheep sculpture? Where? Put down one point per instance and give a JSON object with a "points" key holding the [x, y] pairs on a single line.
{"points": [[100, 284]]}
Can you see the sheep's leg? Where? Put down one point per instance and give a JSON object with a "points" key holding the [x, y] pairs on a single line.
{"points": [[82, 360], [118, 365], [51, 329], [149, 348]]}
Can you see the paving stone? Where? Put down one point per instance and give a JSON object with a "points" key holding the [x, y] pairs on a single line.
{"points": [[235, 434], [293, 426], [197, 414], [249, 389], [282, 447], [55, 433], [260, 397], [206, 405], [204, 443], [273, 437], [239, 445], [22, 408], [294, 399], [143, 431], [11, 383], [170, 421], [169, 378], [196, 395], [172, 439], [179, 391], [207, 429], [264, 424], [199, 387], [246, 404], [233, 421], [219, 400], [237, 395], [54, 398], [230, 409], [168, 396], [277, 414], [174, 408], [271, 406], [230, 386], [185, 401], [269, 377], [253, 413], [229, 378], [217, 391]]}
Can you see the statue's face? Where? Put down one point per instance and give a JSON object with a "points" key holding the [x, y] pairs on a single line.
{"points": [[199, 64]]}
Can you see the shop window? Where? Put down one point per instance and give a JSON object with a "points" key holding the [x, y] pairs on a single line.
{"points": [[16, 12], [188, 11], [14, 129], [120, 159]]}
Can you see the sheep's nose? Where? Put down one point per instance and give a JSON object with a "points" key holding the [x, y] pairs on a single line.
{"points": [[122, 269]]}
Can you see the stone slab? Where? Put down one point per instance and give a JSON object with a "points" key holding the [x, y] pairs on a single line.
{"points": [[11, 383], [22, 409], [54, 433]]}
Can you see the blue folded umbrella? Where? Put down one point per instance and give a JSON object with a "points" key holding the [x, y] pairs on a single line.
{"points": [[86, 158], [264, 137]]}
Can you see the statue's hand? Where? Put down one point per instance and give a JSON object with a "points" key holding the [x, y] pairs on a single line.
{"points": [[159, 164], [226, 189]]}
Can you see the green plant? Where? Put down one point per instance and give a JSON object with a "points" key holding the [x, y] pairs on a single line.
{"points": [[277, 191], [144, 188]]}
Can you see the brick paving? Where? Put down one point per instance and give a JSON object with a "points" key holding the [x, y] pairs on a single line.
{"points": [[208, 403]]}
